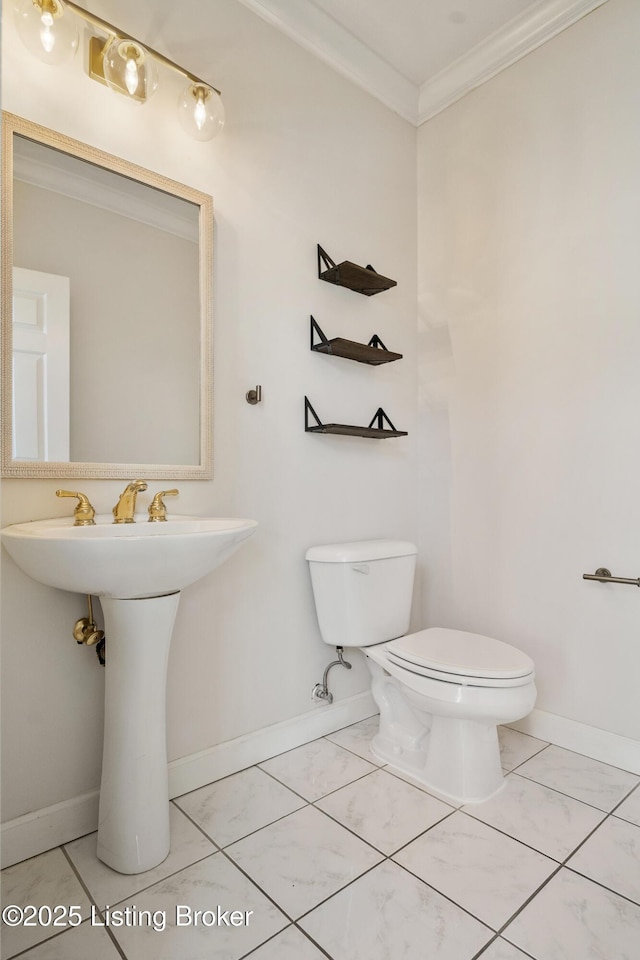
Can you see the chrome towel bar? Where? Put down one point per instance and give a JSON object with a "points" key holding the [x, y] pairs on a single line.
{"points": [[604, 576]]}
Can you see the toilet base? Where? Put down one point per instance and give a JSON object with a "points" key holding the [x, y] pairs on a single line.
{"points": [[460, 759], [443, 735]]}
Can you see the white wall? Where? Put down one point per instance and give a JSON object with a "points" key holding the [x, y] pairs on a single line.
{"points": [[529, 226], [306, 157]]}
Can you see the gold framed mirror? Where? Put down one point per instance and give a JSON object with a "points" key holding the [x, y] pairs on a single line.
{"points": [[106, 314]]}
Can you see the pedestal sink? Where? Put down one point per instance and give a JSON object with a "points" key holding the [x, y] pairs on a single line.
{"points": [[137, 570]]}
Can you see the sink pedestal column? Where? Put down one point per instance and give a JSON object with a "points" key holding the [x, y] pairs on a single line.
{"points": [[133, 829]]}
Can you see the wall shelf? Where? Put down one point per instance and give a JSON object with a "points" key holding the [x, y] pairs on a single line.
{"points": [[379, 432], [374, 353], [364, 280]]}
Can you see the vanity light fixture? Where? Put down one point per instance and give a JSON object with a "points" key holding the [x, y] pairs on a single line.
{"points": [[49, 30]]}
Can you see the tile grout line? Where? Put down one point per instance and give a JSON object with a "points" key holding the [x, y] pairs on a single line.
{"points": [[61, 933], [446, 896], [251, 833], [586, 756], [254, 883], [204, 786], [399, 775], [603, 886], [529, 899], [314, 942], [40, 943], [169, 876], [420, 835], [294, 920], [563, 794], [292, 926], [370, 843], [509, 836], [322, 797], [92, 899], [564, 865], [625, 798], [251, 952], [524, 953], [339, 890], [483, 950], [536, 754]]}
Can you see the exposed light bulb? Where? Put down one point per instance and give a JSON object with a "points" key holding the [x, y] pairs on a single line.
{"points": [[201, 111], [129, 69], [47, 29], [47, 36], [131, 77]]}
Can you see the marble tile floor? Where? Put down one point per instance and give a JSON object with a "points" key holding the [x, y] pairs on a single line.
{"points": [[323, 852]]}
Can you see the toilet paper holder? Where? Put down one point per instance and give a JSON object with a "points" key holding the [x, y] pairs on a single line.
{"points": [[604, 576]]}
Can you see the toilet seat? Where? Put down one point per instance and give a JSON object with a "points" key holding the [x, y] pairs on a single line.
{"points": [[455, 656]]}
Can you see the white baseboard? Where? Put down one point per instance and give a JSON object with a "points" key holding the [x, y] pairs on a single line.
{"points": [[43, 829], [195, 771], [49, 827], [591, 741]]}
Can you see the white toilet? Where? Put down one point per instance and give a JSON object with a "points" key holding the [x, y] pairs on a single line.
{"points": [[441, 693]]}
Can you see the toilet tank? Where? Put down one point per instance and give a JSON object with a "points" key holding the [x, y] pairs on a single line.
{"points": [[362, 590]]}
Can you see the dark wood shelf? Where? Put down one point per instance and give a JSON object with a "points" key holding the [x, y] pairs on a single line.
{"points": [[360, 352], [348, 430], [373, 353], [364, 280]]}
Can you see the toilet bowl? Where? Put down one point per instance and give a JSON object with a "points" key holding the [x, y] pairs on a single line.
{"points": [[441, 693]]}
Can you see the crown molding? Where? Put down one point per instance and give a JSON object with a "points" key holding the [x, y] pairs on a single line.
{"points": [[49, 176], [507, 45], [323, 36], [312, 28]]}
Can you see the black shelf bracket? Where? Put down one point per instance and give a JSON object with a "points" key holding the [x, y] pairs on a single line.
{"points": [[324, 259], [308, 409], [380, 419], [315, 329]]}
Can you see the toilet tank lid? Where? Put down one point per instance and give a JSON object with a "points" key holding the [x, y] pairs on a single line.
{"points": [[360, 551]]}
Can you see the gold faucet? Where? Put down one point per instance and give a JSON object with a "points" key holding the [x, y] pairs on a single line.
{"points": [[125, 508], [157, 507], [84, 512]]}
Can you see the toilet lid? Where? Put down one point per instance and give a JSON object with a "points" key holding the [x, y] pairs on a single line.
{"points": [[456, 654]]}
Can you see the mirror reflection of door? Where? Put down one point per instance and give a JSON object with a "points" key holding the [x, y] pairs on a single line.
{"points": [[40, 366]]}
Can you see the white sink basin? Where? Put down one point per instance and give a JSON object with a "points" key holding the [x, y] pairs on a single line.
{"points": [[126, 561]]}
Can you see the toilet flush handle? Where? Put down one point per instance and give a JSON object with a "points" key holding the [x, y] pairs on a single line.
{"points": [[360, 567]]}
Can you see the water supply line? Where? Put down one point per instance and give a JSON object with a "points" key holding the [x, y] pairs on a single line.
{"points": [[321, 690], [85, 631]]}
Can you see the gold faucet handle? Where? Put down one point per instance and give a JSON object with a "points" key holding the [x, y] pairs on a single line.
{"points": [[157, 508], [84, 512]]}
